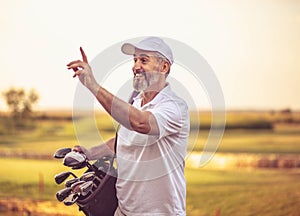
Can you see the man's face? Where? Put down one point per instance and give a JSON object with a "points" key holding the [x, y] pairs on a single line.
{"points": [[147, 70]]}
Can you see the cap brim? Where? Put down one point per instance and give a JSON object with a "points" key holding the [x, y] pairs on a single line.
{"points": [[128, 48]]}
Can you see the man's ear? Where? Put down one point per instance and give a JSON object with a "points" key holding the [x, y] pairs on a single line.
{"points": [[166, 67]]}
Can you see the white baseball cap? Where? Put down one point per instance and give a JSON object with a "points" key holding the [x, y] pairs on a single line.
{"points": [[154, 44]]}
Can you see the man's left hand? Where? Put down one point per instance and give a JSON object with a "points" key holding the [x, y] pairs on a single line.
{"points": [[84, 72]]}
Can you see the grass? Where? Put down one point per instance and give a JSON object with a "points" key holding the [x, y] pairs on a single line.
{"points": [[240, 192], [21, 178], [49, 135], [280, 140], [235, 192]]}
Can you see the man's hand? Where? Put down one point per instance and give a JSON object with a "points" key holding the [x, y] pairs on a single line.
{"points": [[84, 72], [79, 149], [82, 150]]}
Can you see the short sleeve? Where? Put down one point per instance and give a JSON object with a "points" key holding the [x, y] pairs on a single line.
{"points": [[170, 116]]}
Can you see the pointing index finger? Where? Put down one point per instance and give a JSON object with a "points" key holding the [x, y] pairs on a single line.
{"points": [[84, 58]]}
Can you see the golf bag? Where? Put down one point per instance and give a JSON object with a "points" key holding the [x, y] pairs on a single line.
{"points": [[97, 198], [94, 191], [102, 200]]}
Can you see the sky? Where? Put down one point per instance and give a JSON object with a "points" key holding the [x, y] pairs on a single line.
{"points": [[253, 46]]}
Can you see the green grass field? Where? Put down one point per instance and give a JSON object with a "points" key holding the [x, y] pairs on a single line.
{"points": [[243, 192], [234, 191]]}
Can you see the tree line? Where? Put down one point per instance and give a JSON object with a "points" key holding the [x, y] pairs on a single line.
{"points": [[20, 102]]}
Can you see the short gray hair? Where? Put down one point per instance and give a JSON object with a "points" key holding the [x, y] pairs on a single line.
{"points": [[162, 57]]}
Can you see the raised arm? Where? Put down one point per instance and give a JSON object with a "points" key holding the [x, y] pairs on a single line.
{"points": [[123, 112]]}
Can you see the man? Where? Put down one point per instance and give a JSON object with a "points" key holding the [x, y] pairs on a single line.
{"points": [[153, 135]]}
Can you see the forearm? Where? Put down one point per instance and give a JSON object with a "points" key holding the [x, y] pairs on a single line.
{"points": [[99, 151], [123, 112]]}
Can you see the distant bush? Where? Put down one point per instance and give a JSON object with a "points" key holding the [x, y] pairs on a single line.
{"points": [[286, 111], [252, 125], [259, 125], [55, 118], [20, 102]]}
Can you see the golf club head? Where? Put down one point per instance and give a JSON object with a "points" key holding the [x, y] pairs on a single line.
{"points": [[71, 199], [61, 153], [85, 188], [71, 181], [59, 178], [88, 176], [75, 160], [75, 186], [62, 194], [79, 166]]}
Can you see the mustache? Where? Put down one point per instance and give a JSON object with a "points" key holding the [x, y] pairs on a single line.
{"points": [[140, 73]]}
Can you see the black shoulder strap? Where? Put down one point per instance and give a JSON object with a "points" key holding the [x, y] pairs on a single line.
{"points": [[133, 95], [115, 146]]}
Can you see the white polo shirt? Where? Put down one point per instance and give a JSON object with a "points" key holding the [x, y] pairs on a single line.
{"points": [[151, 178]]}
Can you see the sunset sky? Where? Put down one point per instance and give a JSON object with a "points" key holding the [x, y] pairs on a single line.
{"points": [[253, 46]]}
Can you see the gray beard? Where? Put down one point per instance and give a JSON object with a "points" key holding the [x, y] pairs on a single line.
{"points": [[142, 81]]}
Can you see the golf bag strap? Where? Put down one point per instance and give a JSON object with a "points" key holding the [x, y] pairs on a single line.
{"points": [[115, 146]]}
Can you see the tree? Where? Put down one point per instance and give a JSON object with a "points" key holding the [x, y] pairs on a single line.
{"points": [[20, 102]]}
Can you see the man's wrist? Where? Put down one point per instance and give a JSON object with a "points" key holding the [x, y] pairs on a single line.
{"points": [[94, 89]]}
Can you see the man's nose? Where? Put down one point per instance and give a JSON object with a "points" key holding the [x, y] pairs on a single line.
{"points": [[136, 67]]}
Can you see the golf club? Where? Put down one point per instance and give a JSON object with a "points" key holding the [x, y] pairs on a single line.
{"points": [[62, 194], [61, 153], [88, 176], [71, 199], [85, 188], [71, 181], [74, 159], [59, 178], [75, 186], [77, 160]]}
